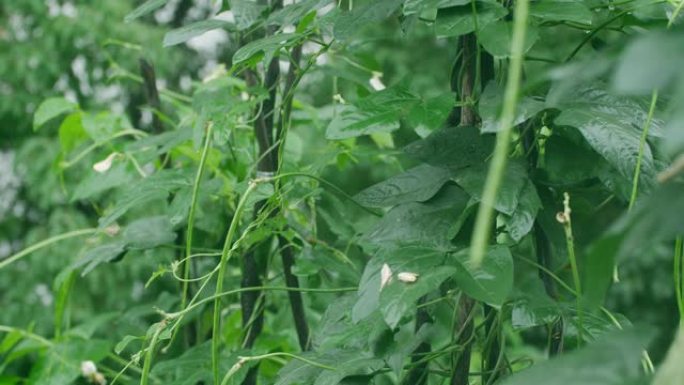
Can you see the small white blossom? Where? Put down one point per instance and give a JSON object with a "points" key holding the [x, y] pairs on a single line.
{"points": [[407, 277], [88, 369], [376, 82], [385, 275], [105, 164]]}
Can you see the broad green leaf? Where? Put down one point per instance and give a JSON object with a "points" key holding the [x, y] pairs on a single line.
{"points": [[410, 259], [453, 147], [351, 122], [418, 6], [71, 132], [613, 360], [247, 12], [346, 363], [147, 233], [569, 160], [433, 223], [194, 366], [521, 221], [415, 185], [398, 299], [430, 114], [292, 13], [492, 281], [612, 127], [50, 109], [349, 23], [459, 20], [107, 252], [96, 183], [62, 363], [145, 8], [496, 38], [563, 10], [472, 180], [649, 62], [156, 187], [187, 32], [531, 306], [266, 46], [124, 342], [378, 112], [491, 102]]}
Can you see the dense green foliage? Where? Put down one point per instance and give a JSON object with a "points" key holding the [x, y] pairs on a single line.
{"points": [[407, 192]]}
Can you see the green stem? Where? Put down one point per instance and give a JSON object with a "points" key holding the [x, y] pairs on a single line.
{"points": [[225, 255], [642, 149], [497, 166], [72, 234], [243, 360], [150, 352], [191, 215], [679, 289], [565, 219]]}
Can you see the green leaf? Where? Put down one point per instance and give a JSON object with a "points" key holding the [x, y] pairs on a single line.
{"points": [[649, 62], [144, 9], [147, 233], [492, 281], [346, 363], [187, 32], [569, 160], [156, 187], [292, 13], [349, 23], [433, 223], [430, 114], [378, 112], [124, 342], [418, 6], [96, 183], [457, 21], [453, 147], [71, 132], [398, 299], [107, 252], [531, 306], [612, 127], [496, 38], [50, 109], [613, 360], [472, 180], [62, 363], [415, 259], [563, 10], [266, 46], [415, 185], [491, 102], [521, 221], [351, 122]]}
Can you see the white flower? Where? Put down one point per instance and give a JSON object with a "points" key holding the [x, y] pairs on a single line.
{"points": [[375, 81], [105, 164], [407, 277], [88, 369], [385, 275]]}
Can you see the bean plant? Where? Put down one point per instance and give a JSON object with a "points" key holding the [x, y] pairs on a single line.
{"points": [[412, 192]]}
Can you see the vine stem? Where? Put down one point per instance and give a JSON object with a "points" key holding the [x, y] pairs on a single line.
{"points": [[679, 288], [225, 256], [497, 166], [191, 214], [35, 247], [147, 364], [243, 360], [564, 218], [642, 149]]}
